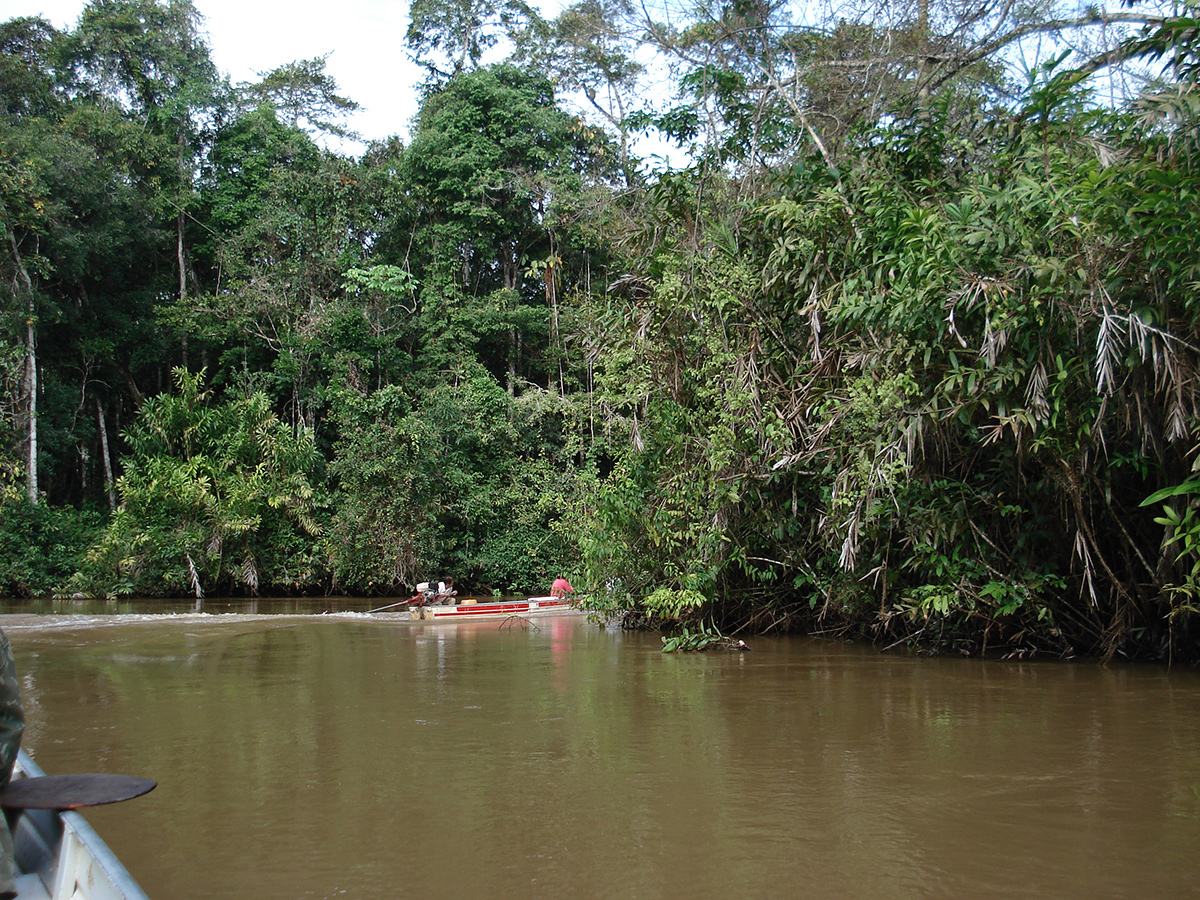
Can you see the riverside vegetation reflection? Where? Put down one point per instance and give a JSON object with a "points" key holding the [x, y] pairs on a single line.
{"points": [[341, 755]]}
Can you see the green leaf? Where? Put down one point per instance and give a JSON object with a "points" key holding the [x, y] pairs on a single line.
{"points": [[1187, 487]]}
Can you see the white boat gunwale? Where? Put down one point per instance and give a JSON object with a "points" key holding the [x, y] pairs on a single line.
{"points": [[60, 856]]}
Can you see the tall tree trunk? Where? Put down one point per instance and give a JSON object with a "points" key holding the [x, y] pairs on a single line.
{"points": [[108, 472], [512, 362], [31, 388], [30, 380], [182, 259], [510, 273], [183, 158], [551, 279]]}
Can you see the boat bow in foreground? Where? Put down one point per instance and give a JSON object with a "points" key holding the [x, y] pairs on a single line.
{"points": [[60, 856]]}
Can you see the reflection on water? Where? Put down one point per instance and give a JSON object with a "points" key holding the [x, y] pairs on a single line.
{"points": [[344, 755]]}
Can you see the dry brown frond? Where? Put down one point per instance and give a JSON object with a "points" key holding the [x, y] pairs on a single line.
{"points": [[249, 574], [1085, 557], [1109, 345], [849, 552], [194, 576], [1035, 392]]}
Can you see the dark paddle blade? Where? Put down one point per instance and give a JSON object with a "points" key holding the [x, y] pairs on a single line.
{"points": [[72, 791]]}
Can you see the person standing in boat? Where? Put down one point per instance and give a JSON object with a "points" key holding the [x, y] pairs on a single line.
{"points": [[561, 588], [12, 725]]}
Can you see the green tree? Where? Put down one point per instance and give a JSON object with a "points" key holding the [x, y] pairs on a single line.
{"points": [[151, 58], [301, 91], [911, 413], [284, 221], [500, 171], [765, 83], [77, 237], [26, 83], [443, 484], [214, 496], [585, 49], [389, 496], [461, 31], [93, 129]]}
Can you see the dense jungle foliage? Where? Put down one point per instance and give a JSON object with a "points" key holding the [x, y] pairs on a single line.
{"points": [[907, 350]]}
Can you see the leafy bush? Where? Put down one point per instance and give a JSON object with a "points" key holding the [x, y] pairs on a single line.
{"points": [[43, 546], [703, 637], [443, 485], [214, 497]]}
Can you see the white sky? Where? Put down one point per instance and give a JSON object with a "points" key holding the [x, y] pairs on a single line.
{"points": [[364, 40]]}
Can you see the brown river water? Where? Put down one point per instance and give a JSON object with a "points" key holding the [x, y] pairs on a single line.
{"points": [[364, 757]]}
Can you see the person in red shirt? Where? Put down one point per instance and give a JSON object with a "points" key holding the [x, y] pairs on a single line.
{"points": [[561, 588]]}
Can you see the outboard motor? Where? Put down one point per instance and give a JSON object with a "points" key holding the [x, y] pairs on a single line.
{"points": [[426, 594]]}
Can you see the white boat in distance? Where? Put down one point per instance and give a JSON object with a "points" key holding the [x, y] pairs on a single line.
{"points": [[471, 609], [60, 856]]}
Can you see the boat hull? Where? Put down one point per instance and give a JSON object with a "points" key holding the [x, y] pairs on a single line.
{"points": [[532, 607], [61, 857]]}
